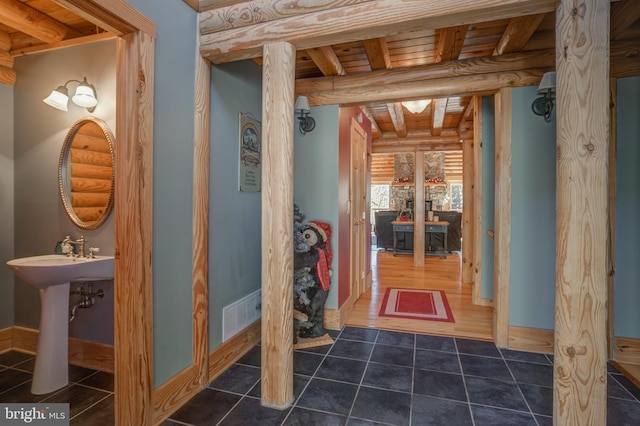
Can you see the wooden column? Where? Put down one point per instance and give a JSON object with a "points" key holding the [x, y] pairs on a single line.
{"points": [[200, 271], [502, 244], [468, 187], [133, 325], [418, 211], [478, 227], [278, 75], [580, 361]]}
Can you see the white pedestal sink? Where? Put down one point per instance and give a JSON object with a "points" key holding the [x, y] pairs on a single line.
{"points": [[51, 274]]}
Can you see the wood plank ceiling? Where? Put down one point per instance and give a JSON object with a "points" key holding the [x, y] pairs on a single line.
{"points": [[30, 26], [517, 43]]}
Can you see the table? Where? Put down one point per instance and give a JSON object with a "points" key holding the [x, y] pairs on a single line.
{"points": [[405, 227]]}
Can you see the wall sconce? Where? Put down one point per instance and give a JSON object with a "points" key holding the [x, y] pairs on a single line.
{"points": [[416, 107], [85, 96], [302, 110], [544, 104]]}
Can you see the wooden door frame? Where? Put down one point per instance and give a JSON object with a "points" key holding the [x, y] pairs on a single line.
{"points": [[133, 192]]}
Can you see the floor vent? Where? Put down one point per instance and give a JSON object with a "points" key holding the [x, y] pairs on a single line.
{"points": [[240, 314]]}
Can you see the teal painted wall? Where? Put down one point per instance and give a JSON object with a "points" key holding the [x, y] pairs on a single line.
{"points": [[533, 215], [627, 283], [488, 194], [234, 216], [175, 53], [316, 180]]}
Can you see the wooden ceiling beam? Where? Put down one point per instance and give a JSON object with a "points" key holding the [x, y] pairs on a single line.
{"points": [[410, 145], [377, 53], [5, 41], [194, 4], [623, 15], [326, 60], [518, 33], [504, 63], [115, 16], [6, 60], [26, 19], [483, 84], [397, 118], [377, 18], [450, 42], [219, 15], [39, 48], [375, 127], [438, 108], [214, 4], [467, 115], [625, 58], [7, 76]]}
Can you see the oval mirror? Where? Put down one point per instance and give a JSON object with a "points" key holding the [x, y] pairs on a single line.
{"points": [[86, 173]]}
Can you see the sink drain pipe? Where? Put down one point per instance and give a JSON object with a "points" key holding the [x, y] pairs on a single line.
{"points": [[87, 299]]}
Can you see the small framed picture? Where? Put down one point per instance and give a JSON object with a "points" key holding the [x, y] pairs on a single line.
{"points": [[250, 150]]}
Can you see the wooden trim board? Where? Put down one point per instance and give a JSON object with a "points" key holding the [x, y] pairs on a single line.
{"points": [[6, 339], [530, 339], [334, 319], [83, 353], [233, 349], [627, 350]]}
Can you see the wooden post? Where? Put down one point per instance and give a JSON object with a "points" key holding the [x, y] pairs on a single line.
{"points": [[200, 271], [468, 209], [418, 212], [580, 361], [478, 228], [502, 243], [278, 75], [133, 325]]}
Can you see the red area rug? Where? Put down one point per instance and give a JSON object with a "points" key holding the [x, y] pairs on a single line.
{"points": [[429, 305]]}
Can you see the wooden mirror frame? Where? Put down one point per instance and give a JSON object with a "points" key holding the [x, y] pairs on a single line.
{"points": [[86, 173]]}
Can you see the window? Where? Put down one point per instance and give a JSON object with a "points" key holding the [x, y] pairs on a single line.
{"points": [[456, 196], [379, 198]]}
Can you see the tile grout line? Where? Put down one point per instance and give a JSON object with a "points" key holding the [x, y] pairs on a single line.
{"points": [[355, 397], [518, 386], [464, 382], [304, 388]]}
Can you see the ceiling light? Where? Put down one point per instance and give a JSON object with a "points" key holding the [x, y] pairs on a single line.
{"points": [[416, 107], [85, 96]]}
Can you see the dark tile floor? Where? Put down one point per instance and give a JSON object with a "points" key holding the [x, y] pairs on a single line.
{"points": [[89, 393], [366, 377], [370, 377]]}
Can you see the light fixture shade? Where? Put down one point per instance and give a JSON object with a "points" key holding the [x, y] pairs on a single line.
{"points": [[302, 105], [416, 107], [548, 82], [85, 96], [59, 98]]}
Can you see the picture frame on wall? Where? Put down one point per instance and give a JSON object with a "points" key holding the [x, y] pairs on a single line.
{"points": [[250, 144]]}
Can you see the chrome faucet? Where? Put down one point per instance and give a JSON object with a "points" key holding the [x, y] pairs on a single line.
{"points": [[79, 244]]}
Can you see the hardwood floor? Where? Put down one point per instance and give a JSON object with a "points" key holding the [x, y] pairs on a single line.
{"points": [[471, 321]]}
